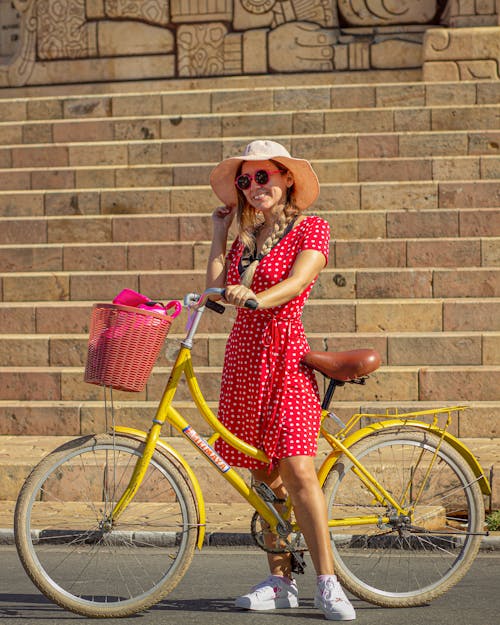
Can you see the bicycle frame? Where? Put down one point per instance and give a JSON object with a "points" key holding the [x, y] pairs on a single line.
{"points": [[412, 494], [166, 412], [343, 441], [339, 443]]}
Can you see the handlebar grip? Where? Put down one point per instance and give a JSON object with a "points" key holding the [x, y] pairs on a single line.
{"points": [[252, 304], [215, 306]]}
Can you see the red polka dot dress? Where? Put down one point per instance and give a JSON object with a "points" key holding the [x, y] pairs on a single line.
{"points": [[268, 398]]}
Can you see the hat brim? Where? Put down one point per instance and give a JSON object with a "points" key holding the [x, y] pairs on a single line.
{"points": [[305, 188]]}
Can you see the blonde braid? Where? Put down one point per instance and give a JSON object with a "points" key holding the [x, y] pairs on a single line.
{"points": [[279, 229]]}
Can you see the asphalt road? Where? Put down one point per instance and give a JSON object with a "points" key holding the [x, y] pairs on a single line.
{"points": [[205, 597]]}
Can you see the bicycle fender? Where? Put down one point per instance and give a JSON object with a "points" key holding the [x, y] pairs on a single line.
{"points": [[168, 450], [462, 449]]}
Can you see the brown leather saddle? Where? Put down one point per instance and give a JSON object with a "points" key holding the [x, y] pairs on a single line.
{"points": [[349, 366]]}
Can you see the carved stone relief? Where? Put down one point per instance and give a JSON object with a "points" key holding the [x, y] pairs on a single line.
{"points": [[149, 11], [250, 14], [20, 66], [184, 38], [132, 38], [384, 12], [188, 11], [63, 30], [302, 46], [458, 13], [462, 54], [9, 29], [201, 49]]}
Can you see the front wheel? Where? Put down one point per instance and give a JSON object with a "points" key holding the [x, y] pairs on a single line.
{"points": [[411, 560], [82, 559]]}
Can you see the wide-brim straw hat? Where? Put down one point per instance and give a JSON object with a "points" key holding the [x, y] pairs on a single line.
{"points": [[305, 188]]}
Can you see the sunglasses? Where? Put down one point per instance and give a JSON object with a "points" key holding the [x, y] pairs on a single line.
{"points": [[261, 176]]}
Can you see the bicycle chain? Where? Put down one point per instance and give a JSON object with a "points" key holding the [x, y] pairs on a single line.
{"points": [[283, 545]]}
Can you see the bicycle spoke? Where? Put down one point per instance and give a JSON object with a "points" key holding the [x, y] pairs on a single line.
{"points": [[84, 561], [406, 561]]}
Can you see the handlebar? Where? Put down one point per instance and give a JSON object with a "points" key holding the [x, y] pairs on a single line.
{"points": [[196, 303], [202, 300]]}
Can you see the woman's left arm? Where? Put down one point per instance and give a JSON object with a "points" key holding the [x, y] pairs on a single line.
{"points": [[306, 267]]}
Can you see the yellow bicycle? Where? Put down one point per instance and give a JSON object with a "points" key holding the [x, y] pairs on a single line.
{"points": [[107, 524]]}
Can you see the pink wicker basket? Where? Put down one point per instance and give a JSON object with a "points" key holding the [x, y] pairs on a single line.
{"points": [[124, 344]]}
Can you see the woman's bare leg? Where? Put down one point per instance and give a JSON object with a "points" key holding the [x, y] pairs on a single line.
{"points": [[299, 478], [279, 563]]}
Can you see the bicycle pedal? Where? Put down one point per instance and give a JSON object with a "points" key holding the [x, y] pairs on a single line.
{"points": [[267, 493], [298, 563]]}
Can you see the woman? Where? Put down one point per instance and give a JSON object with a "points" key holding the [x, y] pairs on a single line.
{"points": [[268, 398]]}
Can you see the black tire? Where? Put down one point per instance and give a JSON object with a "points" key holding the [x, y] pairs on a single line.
{"points": [[69, 551], [405, 566]]}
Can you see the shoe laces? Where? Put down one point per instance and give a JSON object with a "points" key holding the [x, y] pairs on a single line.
{"points": [[269, 582], [331, 591]]}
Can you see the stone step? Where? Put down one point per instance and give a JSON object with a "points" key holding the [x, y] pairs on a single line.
{"points": [[49, 220], [320, 315], [23, 452], [273, 125], [167, 85], [337, 283], [447, 383], [396, 349], [312, 143], [353, 253], [75, 418], [410, 188], [328, 171], [251, 98], [323, 120]]}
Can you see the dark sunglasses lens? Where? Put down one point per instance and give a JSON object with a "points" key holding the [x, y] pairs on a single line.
{"points": [[243, 181], [261, 176]]}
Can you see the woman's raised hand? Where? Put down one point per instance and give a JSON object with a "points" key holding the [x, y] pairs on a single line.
{"points": [[223, 216]]}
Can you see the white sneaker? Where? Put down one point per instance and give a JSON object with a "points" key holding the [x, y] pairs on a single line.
{"points": [[331, 600], [274, 592]]}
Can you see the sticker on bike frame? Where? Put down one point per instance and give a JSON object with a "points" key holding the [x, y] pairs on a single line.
{"points": [[209, 452]]}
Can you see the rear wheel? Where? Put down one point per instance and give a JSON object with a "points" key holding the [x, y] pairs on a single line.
{"points": [[81, 559], [407, 561]]}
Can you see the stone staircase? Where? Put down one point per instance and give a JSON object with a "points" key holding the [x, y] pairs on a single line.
{"points": [[105, 190]]}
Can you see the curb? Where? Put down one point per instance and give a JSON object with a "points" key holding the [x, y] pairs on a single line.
{"points": [[490, 543], [6, 537], [242, 539], [229, 539]]}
